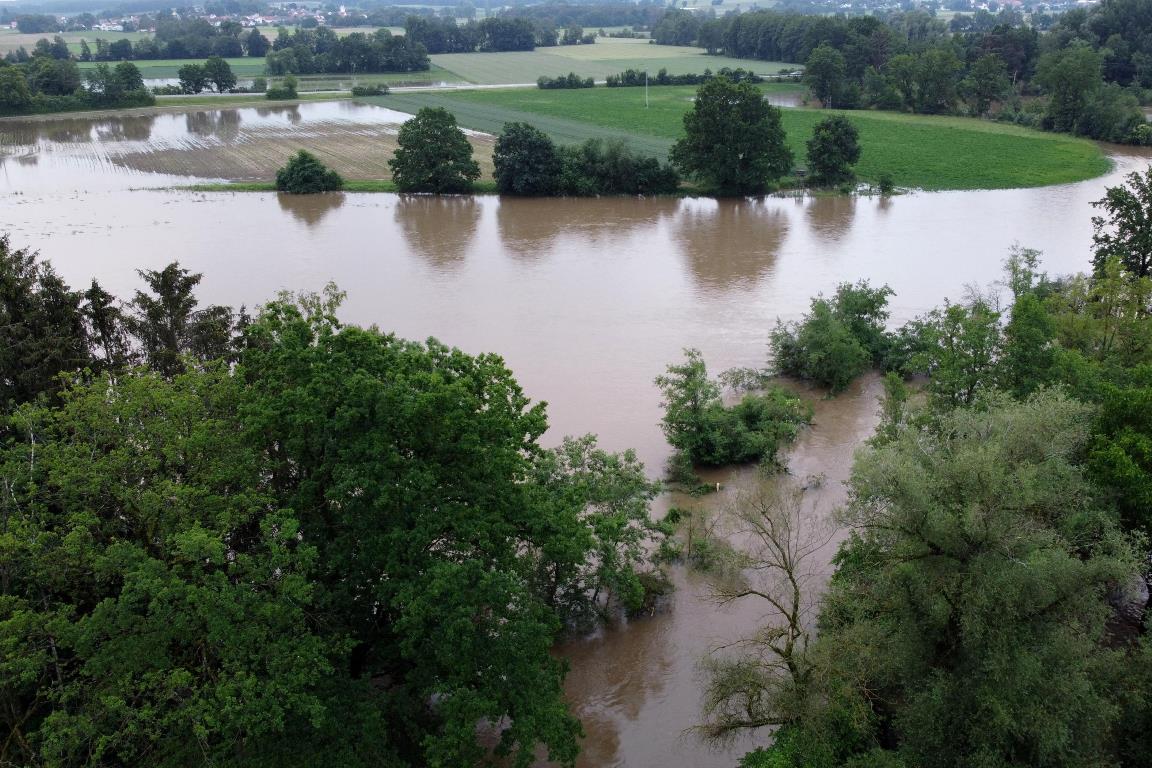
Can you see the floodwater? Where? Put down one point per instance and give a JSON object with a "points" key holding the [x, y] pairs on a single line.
{"points": [[587, 300]]}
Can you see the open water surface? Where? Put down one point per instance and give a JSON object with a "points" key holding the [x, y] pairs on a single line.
{"points": [[587, 300]]}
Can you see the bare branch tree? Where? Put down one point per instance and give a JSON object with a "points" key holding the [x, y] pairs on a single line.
{"points": [[756, 681]]}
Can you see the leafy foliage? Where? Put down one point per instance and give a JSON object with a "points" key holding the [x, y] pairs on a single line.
{"points": [[304, 174], [169, 326], [733, 140], [406, 465], [526, 162], [42, 331], [154, 594], [838, 339], [832, 151], [601, 559], [1126, 233], [705, 431], [433, 155], [967, 620]]}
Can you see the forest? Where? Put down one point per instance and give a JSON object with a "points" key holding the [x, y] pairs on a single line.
{"points": [[1086, 73]]}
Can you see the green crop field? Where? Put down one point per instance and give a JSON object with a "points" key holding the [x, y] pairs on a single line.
{"points": [[10, 39], [919, 151], [607, 56], [168, 68]]}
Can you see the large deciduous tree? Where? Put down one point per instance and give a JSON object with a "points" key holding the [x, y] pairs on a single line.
{"points": [[966, 623], [154, 597], [1125, 233], [406, 464], [169, 326], [218, 72], [433, 155], [824, 72], [733, 141], [832, 151]]}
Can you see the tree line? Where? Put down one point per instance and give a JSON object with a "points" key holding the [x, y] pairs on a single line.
{"points": [[244, 538], [44, 84], [314, 51], [1089, 67]]}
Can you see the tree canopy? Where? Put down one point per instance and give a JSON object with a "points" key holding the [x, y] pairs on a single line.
{"points": [[733, 140], [304, 174], [433, 155], [1125, 233], [284, 531]]}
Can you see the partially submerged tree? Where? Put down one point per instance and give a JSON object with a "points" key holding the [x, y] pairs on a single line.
{"points": [[837, 340], [733, 140], [304, 174], [757, 681], [525, 161], [433, 155], [705, 431]]}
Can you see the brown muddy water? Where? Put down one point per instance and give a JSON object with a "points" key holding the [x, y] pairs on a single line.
{"points": [[587, 300]]}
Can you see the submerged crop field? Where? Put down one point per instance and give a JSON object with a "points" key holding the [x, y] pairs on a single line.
{"points": [[244, 144], [919, 151]]}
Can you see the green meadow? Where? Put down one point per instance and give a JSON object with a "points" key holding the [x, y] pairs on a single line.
{"points": [[918, 151]]}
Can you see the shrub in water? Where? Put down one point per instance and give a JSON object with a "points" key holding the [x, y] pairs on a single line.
{"points": [[304, 174]]}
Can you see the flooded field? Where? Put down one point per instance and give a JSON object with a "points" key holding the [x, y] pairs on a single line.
{"points": [[243, 144], [587, 300]]}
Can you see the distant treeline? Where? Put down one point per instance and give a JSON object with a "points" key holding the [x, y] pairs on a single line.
{"points": [[312, 51], [1090, 68], [440, 35], [49, 85], [645, 14], [174, 39], [638, 77]]}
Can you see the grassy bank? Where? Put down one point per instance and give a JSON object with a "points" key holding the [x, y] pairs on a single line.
{"points": [[920, 151]]}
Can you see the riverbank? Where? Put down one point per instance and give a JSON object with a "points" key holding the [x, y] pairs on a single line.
{"points": [[918, 151]]}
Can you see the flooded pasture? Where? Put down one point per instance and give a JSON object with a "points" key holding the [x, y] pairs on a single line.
{"points": [[586, 299], [169, 147]]}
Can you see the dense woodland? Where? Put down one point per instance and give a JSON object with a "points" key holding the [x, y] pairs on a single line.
{"points": [[1086, 74], [46, 84], [280, 540], [990, 605]]}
